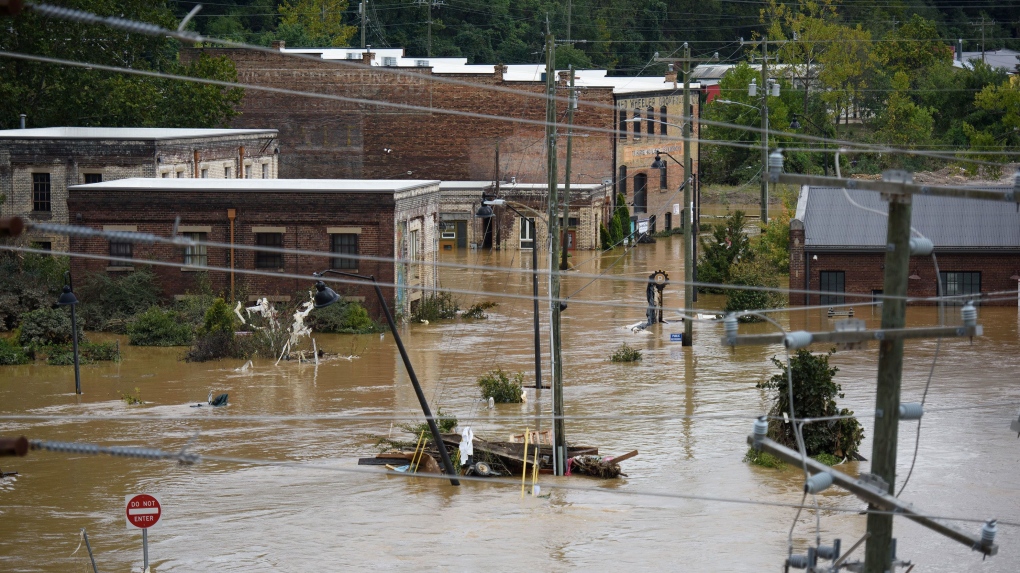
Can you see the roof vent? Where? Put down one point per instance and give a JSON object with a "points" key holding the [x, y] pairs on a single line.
{"points": [[421, 63], [389, 62]]}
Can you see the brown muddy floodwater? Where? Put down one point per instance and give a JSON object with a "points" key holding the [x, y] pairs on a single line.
{"points": [[221, 516]]}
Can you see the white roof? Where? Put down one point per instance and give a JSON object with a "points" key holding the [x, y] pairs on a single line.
{"points": [[124, 133], [1002, 59], [504, 186], [466, 185], [255, 185]]}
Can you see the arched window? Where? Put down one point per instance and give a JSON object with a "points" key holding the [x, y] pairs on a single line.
{"points": [[623, 124], [640, 193], [651, 121], [662, 118], [637, 124], [663, 180], [621, 183]]}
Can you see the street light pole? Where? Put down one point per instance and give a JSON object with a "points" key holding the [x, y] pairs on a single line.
{"points": [[325, 296], [67, 298], [485, 212], [688, 224]]}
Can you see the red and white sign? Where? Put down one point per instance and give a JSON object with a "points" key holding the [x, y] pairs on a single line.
{"points": [[142, 510]]}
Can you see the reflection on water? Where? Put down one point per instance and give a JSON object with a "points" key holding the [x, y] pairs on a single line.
{"points": [[227, 517]]}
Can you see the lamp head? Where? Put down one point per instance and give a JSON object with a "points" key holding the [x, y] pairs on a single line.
{"points": [[67, 297], [324, 296], [795, 124], [658, 163], [484, 212]]}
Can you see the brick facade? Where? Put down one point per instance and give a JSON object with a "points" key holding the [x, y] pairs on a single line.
{"points": [[68, 155], [590, 205], [383, 221]]}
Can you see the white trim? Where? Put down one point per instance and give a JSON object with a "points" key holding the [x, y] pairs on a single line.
{"points": [[802, 203]]}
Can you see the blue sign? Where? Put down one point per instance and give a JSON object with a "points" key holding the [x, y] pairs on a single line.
{"points": [[676, 337]]}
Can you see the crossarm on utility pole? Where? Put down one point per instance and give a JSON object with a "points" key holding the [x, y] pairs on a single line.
{"points": [[875, 497], [853, 336], [894, 188]]}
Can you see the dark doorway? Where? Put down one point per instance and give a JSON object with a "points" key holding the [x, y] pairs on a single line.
{"points": [[640, 193], [461, 234], [487, 232]]}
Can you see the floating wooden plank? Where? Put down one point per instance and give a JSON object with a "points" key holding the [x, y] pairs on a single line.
{"points": [[627, 456]]}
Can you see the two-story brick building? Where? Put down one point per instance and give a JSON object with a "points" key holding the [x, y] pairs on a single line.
{"points": [[38, 165], [344, 220], [839, 248]]}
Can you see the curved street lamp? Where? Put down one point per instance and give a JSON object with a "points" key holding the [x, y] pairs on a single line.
{"points": [[325, 296], [67, 298]]}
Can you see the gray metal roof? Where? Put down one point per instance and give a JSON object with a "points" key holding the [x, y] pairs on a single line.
{"points": [[143, 133], [260, 185], [831, 222]]}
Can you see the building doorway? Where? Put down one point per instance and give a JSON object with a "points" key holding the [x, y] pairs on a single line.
{"points": [[641, 193]]}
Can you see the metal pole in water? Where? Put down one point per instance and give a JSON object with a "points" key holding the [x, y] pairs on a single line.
{"points": [[88, 546], [145, 550]]}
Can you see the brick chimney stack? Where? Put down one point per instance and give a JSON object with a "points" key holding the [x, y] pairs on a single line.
{"points": [[563, 78], [500, 71], [367, 56], [671, 75], [279, 44]]}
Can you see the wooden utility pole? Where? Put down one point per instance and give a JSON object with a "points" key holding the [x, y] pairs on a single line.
{"points": [[572, 102], [764, 131], [559, 438], [878, 552], [363, 8]]}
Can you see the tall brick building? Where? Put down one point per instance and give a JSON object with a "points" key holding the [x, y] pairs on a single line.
{"points": [[840, 248], [328, 138], [38, 165], [395, 219]]}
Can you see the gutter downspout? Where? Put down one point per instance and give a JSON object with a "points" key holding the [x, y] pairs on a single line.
{"points": [[240, 162], [231, 215], [196, 165]]}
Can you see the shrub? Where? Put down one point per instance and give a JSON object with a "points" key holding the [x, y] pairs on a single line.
{"points": [[345, 317], [763, 459], [605, 239], [478, 310], [88, 353], [212, 346], [814, 394], [11, 353], [501, 388], [28, 283], [191, 308], [773, 245], [753, 273], [158, 327], [219, 318], [107, 303], [625, 354], [728, 245], [827, 459], [434, 307], [45, 326], [132, 398]]}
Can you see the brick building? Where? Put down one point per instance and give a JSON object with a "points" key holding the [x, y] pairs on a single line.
{"points": [[590, 205], [38, 165], [326, 138], [459, 228], [382, 218], [840, 248]]}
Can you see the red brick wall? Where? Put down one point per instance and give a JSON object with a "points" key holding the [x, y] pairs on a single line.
{"points": [[332, 139], [305, 216]]}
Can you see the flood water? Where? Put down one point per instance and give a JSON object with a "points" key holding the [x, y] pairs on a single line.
{"points": [[687, 411]]}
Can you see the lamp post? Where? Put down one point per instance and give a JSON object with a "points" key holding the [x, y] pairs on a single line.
{"points": [[795, 124], [485, 212], [689, 256], [326, 296], [67, 298]]}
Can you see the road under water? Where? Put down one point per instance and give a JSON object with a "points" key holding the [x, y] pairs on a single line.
{"points": [[687, 411]]}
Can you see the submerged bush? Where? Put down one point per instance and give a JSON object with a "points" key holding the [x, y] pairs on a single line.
{"points": [[11, 353], [46, 326], [501, 388], [88, 353], [107, 303], [434, 307], [478, 310], [216, 336], [763, 459], [625, 354], [28, 283], [344, 317], [158, 327], [753, 273]]}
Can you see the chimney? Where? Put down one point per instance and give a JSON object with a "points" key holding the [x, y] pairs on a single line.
{"points": [[279, 44], [959, 49], [670, 75], [500, 71], [562, 78], [23, 117], [367, 56]]}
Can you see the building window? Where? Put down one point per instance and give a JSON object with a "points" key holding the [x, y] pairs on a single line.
{"points": [[623, 124], [178, 174], [226, 172], [637, 124], [195, 255], [41, 192], [669, 220], [42, 245], [571, 222], [527, 233], [93, 178], [662, 119], [121, 250], [247, 171], [265, 171], [265, 259], [622, 183], [834, 282], [640, 193], [166, 175], [413, 252], [344, 244], [960, 284], [651, 121], [205, 173], [663, 179]]}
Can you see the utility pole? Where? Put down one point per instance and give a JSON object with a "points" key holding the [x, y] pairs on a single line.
{"points": [[559, 438], [572, 103], [363, 8], [764, 131], [878, 551], [430, 4]]}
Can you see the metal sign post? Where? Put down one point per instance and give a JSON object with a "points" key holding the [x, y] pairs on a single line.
{"points": [[143, 511]]}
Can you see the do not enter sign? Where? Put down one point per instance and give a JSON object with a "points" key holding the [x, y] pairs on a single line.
{"points": [[142, 510]]}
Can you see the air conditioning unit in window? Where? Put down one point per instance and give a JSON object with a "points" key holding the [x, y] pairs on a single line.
{"points": [[389, 62], [421, 63]]}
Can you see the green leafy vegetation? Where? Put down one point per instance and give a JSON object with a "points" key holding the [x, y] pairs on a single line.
{"points": [[28, 282], [11, 353], [47, 326], [132, 398], [107, 303], [215, 339], [435, 306], [625, 354], [827, 459], [345, 317], [477, 311], [728, 244], [763, 459], [753, 272], [502, 388], [159, 327], [619, 224], [814, 395], [88, 353]]}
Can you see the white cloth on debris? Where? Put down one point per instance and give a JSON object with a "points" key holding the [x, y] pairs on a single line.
{"points": [[467, 447]]}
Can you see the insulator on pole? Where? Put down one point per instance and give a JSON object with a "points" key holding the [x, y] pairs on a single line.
{"points": [[797, 561], [921, 246], [988, 531], [761, 429], [818, 482], [776, 162], [798, 339], [969, 314], [911, 411]]}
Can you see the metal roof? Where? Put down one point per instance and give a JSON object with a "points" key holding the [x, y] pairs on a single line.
{"points": [[831, 222], [136, 133], [260, 185]]}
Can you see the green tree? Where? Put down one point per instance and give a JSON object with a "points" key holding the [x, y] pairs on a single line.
{"points": [[753, 272], [847, 66], [728, 245], [903, 123], [814, 395], [322, 21]]}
